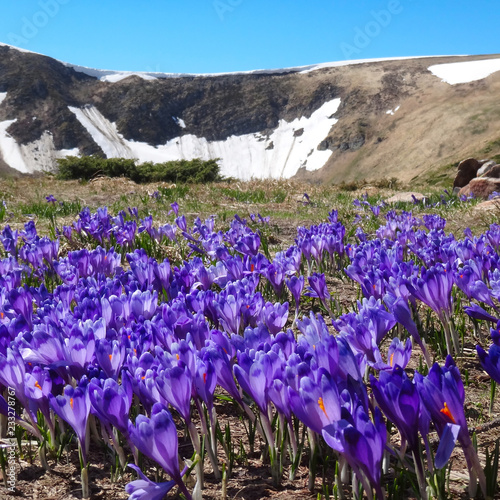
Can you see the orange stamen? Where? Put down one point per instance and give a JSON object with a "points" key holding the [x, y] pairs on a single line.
{"points": [[110, 356], [37, 385], [392, 358], [322, 406], [178, 357], [252, 267], [204, 378], [446, 411], [71, 402]]}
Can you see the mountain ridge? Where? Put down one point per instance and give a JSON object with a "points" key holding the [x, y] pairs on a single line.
{"points": [[326, 123]]}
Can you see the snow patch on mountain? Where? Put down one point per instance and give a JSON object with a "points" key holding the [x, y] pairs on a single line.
{"points": [[3, 95], [291, 146], [39, 155], [392, 111], [179, 121], [465, 72], [104, 133], [9, 149]]}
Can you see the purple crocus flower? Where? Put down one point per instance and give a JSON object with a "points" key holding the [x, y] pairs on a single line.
{"points": [[276, 276], [481, 292], [181, 223], [205, 381], [144, 304], [278, 394], [110, 356], [9, 239], [12, 373], [22, 303], [175, 387], [434, 289], [313, 328], [398, 354], [442, 393], [175, 208], [255, 377], [362, 443], [318, 287], [74, 408], [219, 357], [37, 387], [275, 316], [491, 361], [477, 312], [295, 284], [29, 234], [112, 402], [248, 244], [145, 489], [317, 405], [157, 439], [80, 349], [229, 313], [399, 399]]}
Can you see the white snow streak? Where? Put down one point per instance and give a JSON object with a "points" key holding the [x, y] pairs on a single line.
{"points": [[465, 72], [3, 95], [116, 77], [103, 132], [39, 155], [62, 153], [392, 111], [179, 121], [10, 150], [279, 155]]}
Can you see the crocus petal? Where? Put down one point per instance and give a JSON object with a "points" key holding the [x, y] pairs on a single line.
{"points": [[446, 445]]}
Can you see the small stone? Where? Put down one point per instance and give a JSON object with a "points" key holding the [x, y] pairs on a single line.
{"points": [[406, 197]]}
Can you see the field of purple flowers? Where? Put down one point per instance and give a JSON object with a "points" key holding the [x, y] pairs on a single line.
{"points": [[123, 340]]}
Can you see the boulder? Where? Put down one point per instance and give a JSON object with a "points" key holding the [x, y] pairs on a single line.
{"points": [[485, 168], [323, 145], [467, 170], [481, 187], [488, 205], [492, 171], [406, 197]]}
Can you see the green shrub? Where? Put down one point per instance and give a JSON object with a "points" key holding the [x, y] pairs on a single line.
{"points": [[180, 171]]}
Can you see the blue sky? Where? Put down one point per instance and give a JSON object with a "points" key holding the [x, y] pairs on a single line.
{"points": [[204, 36]]}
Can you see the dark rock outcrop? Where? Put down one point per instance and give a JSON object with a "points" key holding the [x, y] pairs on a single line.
{"points": [[467, 170]]}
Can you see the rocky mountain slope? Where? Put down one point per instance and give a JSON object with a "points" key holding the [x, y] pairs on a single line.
{"points": [[333, 122]]}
